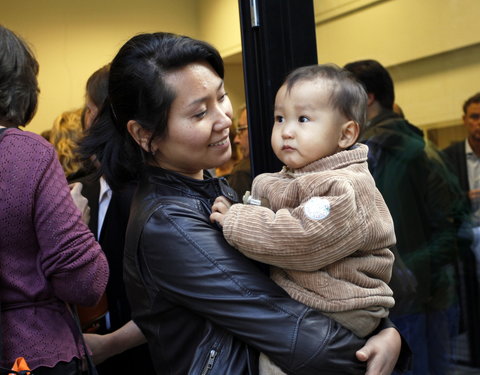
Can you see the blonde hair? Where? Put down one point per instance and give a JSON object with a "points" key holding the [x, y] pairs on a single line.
{"points": [[66, 133]]}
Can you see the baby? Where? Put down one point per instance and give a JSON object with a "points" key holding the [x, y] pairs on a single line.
{"points": [[327, 230]]}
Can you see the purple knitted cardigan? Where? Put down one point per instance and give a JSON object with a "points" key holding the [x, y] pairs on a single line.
{"points": [[47, 254]]}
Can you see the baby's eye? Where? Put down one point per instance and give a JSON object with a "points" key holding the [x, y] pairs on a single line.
{"points": [[303, 119], [279, 119]]}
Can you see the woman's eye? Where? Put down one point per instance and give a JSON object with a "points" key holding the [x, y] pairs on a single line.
{"points": [[303, 119], [222, 97], [200, 115]]}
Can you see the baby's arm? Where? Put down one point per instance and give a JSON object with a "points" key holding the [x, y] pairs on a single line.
{"points": [[289, 238], [219, 210]]}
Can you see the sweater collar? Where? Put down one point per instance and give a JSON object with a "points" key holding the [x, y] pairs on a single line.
{"points": [[356, 154]]}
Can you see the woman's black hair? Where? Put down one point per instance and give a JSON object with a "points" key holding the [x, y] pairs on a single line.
{"points": [[137, 91], [18, 80], [97, 86]]}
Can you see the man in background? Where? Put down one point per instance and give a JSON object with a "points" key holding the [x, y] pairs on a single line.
{"points": [[465, 155], [416, 187], [464, 158], [109, 213], [240, 178]]}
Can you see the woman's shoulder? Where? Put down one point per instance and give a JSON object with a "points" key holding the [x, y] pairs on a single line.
{"points": [[152, 199], [21, 138], [23, 150]]}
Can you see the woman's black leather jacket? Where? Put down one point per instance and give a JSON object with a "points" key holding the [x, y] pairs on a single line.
{"points": [[203, 306]]}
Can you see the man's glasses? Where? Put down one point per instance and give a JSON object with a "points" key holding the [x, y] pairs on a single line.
{"points": [[241, 130]]}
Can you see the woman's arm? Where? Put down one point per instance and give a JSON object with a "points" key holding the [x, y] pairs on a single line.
{"points": [[185, 260], [69, 256], [116, 342]]}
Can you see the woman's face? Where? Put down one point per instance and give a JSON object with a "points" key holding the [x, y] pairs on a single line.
{"points": [[198, 122], [91, 112]]}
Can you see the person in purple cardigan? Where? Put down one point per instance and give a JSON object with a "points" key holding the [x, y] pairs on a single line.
{"points": [[48, 256]]}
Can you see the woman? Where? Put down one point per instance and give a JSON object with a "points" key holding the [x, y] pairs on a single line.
{"points": [[48, 256], [66, 132], [109, 221], [203, 307], [96, 93]]}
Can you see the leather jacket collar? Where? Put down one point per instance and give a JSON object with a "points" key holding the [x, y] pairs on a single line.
{"points": [[208, 187]]}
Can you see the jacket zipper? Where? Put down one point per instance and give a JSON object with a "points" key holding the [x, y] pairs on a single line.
{"points": [[211, 360]]}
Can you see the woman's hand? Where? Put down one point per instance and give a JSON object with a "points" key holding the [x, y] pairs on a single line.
{"points": [[99, 346], [219, 210], [80, 201], [381, 352]]}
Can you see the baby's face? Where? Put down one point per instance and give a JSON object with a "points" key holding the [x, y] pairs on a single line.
{"points": [[306, 126]]}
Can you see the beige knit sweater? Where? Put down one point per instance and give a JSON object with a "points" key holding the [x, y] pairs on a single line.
{"points": [[327, 233]]}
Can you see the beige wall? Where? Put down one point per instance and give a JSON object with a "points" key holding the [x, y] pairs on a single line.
{"points": [[234, 85], [397, 31], [430, 47], [219, 23], [73, 38]]}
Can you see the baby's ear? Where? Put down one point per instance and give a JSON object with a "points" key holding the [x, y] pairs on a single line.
{"points": [[139, 134], [349, 134]]}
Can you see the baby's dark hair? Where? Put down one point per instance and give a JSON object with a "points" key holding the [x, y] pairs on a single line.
{"points": [[347, 95]]}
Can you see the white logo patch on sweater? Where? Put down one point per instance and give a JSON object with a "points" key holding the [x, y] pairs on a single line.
{"points": [[317, 208]]}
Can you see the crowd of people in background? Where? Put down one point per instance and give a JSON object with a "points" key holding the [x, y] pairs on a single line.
{"points": [[121, 220]]}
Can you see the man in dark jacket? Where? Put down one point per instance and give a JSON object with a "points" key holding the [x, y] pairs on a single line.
{"points": [[415, 185], [465, 155], [464, 158]]}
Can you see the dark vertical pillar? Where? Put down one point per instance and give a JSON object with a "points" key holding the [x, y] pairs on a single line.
{"points": [[277, 37]]}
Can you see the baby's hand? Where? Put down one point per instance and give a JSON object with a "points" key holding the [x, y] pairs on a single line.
{"points": [[219, 210]]}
